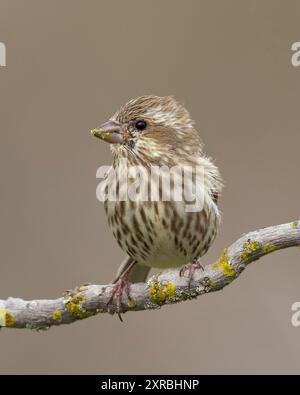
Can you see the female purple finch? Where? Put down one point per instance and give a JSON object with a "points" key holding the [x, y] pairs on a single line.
{"points": [[151, 132]]}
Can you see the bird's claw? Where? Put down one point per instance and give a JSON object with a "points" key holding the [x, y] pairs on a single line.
{"points": [[191, 267], [117, 291]]}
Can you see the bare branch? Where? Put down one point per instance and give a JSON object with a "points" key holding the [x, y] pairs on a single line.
{"points": [[166, 288]]}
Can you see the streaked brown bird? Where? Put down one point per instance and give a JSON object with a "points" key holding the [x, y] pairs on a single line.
{"points": [[152, 131]]}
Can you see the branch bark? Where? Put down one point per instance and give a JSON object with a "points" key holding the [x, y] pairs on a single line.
{"points": [[166, 288]]}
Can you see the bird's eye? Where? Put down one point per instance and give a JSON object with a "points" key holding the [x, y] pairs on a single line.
{"points": [[141, 125]]}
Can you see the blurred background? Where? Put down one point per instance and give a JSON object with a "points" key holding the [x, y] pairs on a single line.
{"points": [[70, 65]]}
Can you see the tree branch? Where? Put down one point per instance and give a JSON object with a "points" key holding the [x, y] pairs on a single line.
{"points": [[166, 288]]}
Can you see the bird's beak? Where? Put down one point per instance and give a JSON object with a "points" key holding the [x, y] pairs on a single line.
{"points": [[110, 131]]}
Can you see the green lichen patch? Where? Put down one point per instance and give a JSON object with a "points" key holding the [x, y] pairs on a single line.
{"points": [[224, 264], [215, 266], [10, 321], [75, 306], [249, 248], [205, 285], [160, 292], [244, 256], [227, 269], [268, 248], [56, 316], [212, 283], [131, 303], [6, 319], [294, 225]]}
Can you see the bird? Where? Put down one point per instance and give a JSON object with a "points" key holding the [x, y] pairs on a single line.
{"points": [[151, 132]]}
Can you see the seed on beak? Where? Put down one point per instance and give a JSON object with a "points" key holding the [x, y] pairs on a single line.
{"points": [[111, 132], [100, 134]]}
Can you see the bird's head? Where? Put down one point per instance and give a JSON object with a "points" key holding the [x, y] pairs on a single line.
{"points": [[150, 126]]}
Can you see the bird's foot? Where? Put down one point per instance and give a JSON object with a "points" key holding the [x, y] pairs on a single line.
{"points": [[191, 267], [121, 285]]}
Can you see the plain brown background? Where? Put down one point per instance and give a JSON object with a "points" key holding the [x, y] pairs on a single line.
{"points": [[70, 65]]}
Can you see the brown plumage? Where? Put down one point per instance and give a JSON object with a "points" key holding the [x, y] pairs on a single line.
{"points": [[157, 131]]}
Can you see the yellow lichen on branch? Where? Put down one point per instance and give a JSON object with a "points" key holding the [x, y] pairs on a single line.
{"points": [[166, 288], [159, 292], [6, 319]]}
